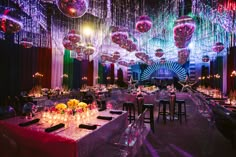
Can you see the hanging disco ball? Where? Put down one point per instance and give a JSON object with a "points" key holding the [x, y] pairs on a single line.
{"points": [[131, 62], [79, 47], [80, 56], [26, 43], [162, 60], [150, 62], [183, 31], [68, 44], [73, 36], [10, 21], [205, 58], [140, 55], [119, 37], [144, 24], [104, 57], [183, 56], [73, 8], [116, 55], [159, 53], [218, 47], [89, 50]]}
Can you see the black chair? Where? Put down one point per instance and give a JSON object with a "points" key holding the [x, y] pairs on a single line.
{"points": [[129, 107], [180, 105], [164, 103], [150, 119]]}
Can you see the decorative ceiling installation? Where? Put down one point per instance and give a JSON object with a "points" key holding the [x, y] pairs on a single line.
{"points": [[155, 30], [173, 66]]}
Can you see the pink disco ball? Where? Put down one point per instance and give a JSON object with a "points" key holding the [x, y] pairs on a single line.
{"points": [[124, 63], [116, 55], [144, 24], [79, 47], [73, 8], [205, 58], [140, 55], [68, 44], [183, 31], [119, 37], [131, 62], [89, 50], [183, 55], [104, 57], [162, 60], [159, 53], [10, 21], [73, 36], [132, 47], [26, 43], [150, 62], [218, 47], [80, 56]]}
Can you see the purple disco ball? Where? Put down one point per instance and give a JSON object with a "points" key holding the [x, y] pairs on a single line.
{"points": [[10, 21], [73, 8], [26, 43], [183, 31], [104, 57], [159, 53], [140, 55], [150, 62], [131, 62], [68, 44], [80, 56], [89, 50], [73, 36], [218, 47], [132, 47], [124, 63], [119, 37], [144, 24], [162, 60], [79, 47], [183, 55], [116, 55], [205, 58]]}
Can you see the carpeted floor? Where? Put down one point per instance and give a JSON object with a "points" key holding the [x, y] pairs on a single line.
{"points": [[193, 138]]}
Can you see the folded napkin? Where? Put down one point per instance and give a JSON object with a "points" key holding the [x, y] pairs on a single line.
{"points": [[55, 127], [101, 109], [116, 112], [89, 127], [104, 117], [29, 122]]}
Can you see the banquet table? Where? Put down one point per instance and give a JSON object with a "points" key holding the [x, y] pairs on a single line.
{"points": [[71, 141]]}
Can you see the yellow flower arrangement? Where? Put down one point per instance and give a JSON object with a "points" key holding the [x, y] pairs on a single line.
{"points": [[73, 103], [61, 107], [82, 105]]}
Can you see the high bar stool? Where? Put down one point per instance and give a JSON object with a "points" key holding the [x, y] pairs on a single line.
{"points": [[163, 112], [129, 107], [140, 103], [150, 119], [179, 110]]}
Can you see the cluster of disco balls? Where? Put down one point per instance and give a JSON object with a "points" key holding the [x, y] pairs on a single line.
{"points": [[73, 41], [120, 36]]}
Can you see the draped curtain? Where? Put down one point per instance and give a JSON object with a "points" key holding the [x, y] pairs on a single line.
{"points": [[18, 65], [76, 70], [231, 66]]}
